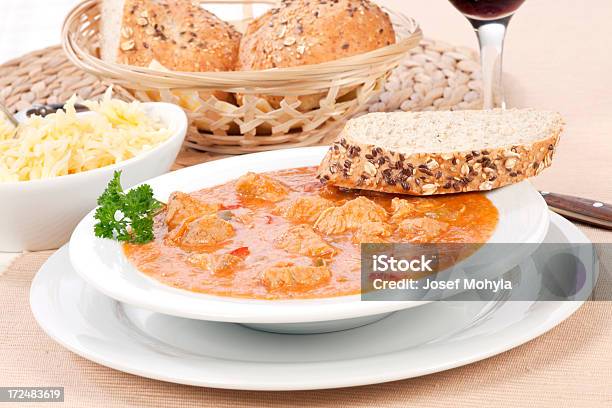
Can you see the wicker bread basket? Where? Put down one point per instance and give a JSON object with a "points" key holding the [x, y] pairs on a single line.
{"points": [[222, 127]]}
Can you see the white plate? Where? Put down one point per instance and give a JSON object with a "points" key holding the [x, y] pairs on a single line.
{"points": [[522, 212], [226, 355]]}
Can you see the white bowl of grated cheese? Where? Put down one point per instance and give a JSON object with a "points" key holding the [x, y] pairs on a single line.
{"points": [[52, 174]]}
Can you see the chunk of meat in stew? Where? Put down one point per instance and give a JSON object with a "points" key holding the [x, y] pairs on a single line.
{"points": [[373, 232], [422, 229], [307, 209], [295, 277], [182, 206], [201, 232], [350, 216], [217, 264], [262, 187], [301, 239]]}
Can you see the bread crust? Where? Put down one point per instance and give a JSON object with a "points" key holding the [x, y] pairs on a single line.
{"points": [[304, 32], [364, 166], [179, 35]]}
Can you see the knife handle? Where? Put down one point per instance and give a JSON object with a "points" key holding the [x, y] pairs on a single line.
{"points": [[592, 212]]}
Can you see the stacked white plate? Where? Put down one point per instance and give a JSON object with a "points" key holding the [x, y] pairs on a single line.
{"points": [[90, 299]]}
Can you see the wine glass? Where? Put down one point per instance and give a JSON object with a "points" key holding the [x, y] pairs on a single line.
{"points": [[490, 19]]}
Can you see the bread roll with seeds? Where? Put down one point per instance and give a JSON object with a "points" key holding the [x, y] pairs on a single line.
{"points": [[424, 153], [178, 34], [303, 32]]}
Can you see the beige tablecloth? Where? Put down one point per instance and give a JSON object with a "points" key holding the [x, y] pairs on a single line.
{"points": [[557, 57]]}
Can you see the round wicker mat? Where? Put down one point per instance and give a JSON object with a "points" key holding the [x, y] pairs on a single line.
{"points": [[46, 76], [433, 76]]}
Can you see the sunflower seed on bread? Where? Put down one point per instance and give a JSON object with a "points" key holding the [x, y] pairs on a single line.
{"points": [[425, 153]]}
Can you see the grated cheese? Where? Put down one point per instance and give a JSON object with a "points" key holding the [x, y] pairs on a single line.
{"points": [[63, 143]]}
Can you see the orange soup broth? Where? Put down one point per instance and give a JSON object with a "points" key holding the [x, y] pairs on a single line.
{"points": [[472, 218]]}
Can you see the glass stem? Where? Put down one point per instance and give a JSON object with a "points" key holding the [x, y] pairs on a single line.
{"points": [[491, 35]]}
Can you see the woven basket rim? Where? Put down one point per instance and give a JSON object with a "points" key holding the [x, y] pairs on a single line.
{"points": [[261, 80]]}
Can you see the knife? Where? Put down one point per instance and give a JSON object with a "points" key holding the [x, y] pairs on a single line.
{"points": [[596, 213]]}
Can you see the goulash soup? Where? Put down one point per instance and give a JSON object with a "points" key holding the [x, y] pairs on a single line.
{"points": [[284, 235]]}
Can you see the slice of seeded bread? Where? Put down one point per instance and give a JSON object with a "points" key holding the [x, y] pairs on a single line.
{"points": [[424, 153]]}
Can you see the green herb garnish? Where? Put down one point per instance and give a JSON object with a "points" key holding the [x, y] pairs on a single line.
{"points": [[126, 216]]}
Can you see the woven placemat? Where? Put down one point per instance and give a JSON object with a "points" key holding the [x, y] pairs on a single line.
{"points": [[434, 75], [46, 76]]}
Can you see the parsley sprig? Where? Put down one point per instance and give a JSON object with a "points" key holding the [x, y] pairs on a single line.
{"points": [[126, 216]]}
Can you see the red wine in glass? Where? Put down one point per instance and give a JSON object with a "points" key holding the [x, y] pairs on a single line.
{"points": [[490, 19], [487, 9]]}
